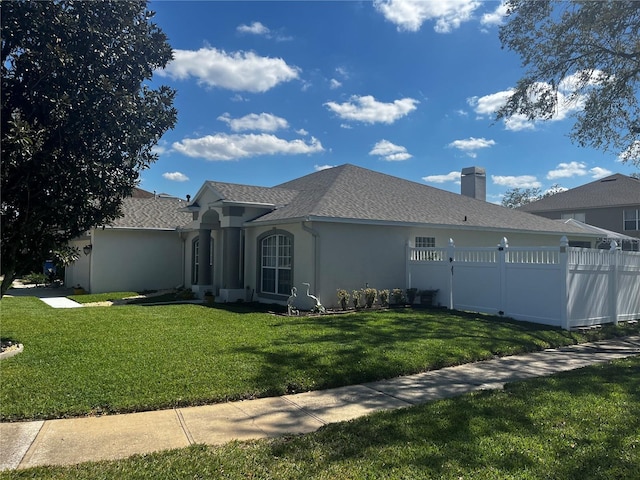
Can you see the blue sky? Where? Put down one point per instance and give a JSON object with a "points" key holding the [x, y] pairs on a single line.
{"points": [[270, 91]]}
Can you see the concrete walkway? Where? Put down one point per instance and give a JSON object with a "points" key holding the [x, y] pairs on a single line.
{"points": [[70, 441], [60, 302]]}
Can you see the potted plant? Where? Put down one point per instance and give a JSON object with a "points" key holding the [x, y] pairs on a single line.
{"points": [[78, 290]]}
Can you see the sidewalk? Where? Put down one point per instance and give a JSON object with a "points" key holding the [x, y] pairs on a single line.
{"points": [[70, 441]]}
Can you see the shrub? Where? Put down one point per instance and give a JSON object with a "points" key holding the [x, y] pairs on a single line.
{"points": [[411, 295], [370, 295], [36, 278], [398, 295], [343, 298], [355, 298], [384, 297]]}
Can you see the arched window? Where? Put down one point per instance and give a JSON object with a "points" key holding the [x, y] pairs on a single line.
{"points": [[276, 259]]}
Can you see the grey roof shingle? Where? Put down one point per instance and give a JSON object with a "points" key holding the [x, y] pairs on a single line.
{"points": [[152, 213], [613, 191], [359, 194], [234, 192]]}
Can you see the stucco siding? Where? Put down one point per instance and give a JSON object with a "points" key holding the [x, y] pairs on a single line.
{"points": [[77, 273], [135, 260]]}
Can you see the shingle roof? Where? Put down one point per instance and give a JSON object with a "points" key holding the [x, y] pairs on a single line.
{"points": [[234, 192], [613, 191], [359, 194], [153, 213]]}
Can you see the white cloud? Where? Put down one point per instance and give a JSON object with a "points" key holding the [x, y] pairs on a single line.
{"points": [[449, 177], [521, 181], [568, 101], [238, 71], [160, 148], [175, 176], [317, 168], [367, 109], [265, 122], [221, 146], [496, 17], [599, 172], [409, 15], [333, 84], [302, 132], [471, 144], [256, 28], [490, 104], [568, 170], [390, 152], [343, 72]]}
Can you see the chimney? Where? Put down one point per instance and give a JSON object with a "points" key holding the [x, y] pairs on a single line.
{"points": [[474, 183]]}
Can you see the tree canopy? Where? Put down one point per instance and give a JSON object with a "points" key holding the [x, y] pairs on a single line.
{"points": [[580, 56], [517, 197], [79, 119]]}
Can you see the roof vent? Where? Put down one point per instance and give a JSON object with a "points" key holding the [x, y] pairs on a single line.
{"points": [[473, 183]]}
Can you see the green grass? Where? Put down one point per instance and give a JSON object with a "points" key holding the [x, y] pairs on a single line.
{"points": [[133, 358], [577, 425], [101, 297]]}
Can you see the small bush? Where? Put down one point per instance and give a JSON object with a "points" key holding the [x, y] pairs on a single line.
{"points": [[384, 297], [411, 295], [36, 278], [343, 298], [370, 295], [398, 295], [355, 298]]}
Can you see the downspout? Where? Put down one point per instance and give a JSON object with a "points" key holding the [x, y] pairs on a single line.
{"points": [[316, 254]]}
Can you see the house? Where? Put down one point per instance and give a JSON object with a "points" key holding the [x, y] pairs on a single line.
{"points": [[340, 228], [142, 250], [611, 203]]}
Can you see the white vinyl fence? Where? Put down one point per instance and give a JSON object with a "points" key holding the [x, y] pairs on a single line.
{"points": [[562, 286]]}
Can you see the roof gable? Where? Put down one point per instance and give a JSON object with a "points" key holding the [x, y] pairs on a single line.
{"points": [[613, 191]]}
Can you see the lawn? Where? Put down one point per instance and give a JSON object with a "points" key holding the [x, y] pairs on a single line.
{"points": [[131, 358], [583, 424]]}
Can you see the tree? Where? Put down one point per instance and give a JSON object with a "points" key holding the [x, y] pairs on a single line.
{"points": [[583, 54], [79, 119], [517, 197]]}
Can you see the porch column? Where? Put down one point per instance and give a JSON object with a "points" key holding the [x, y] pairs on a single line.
{"points": [[204, 254], [231, 257]]}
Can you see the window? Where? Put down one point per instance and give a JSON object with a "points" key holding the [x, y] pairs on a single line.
{"points": [[195, 259], [632, 219], [576, 216], [425, 242], [276, 253]]}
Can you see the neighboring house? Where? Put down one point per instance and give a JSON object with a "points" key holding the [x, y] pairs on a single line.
{"points": [[340, 228], [612, 203], [142, 250]]}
